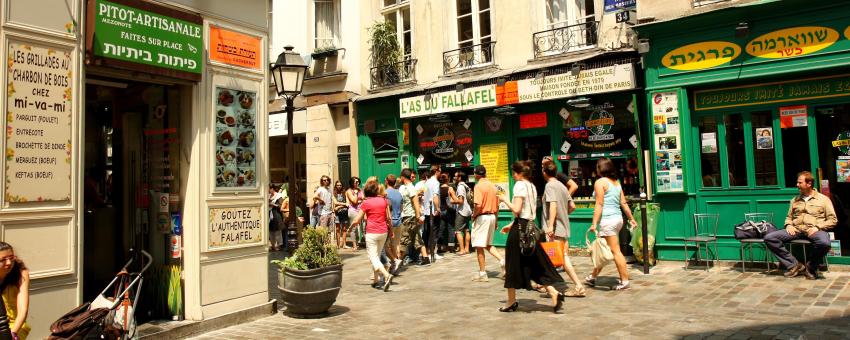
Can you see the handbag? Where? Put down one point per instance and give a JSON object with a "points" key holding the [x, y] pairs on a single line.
{"points": [[750, 229], [528, 235], [555, 251], [600, 253]]}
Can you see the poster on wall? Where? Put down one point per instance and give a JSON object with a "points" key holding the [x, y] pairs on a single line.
{"points": [[607, 126], [39, 102], [764, 138], [443, 142], [842, 171], [708, 142], [235, 138], [494, 157], [668, 143], [229, 227]]}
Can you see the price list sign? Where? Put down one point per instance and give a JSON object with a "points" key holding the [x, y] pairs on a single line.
{"points": [[38, 123]]}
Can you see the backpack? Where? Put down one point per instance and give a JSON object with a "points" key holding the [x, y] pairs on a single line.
{"points": [[749, 229], [469, 198]]}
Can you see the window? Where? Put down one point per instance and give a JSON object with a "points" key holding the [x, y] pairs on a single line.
{"points": [[764, 153], [327, 23], [473, 23], [736, 150], [397, 13], [710, 169], [563, 13]]}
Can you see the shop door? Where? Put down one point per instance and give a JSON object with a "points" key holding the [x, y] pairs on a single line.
{"points": [[833, 124], [534, 149], [387, 166]]}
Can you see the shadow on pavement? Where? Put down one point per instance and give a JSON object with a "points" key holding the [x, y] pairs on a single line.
{"points": [[827, 328]]}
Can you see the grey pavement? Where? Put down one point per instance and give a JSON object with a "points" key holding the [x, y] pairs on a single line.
{"points": [[442, 302]]}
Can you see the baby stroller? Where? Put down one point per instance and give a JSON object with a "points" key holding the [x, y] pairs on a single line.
{"points": [[111, 314]]}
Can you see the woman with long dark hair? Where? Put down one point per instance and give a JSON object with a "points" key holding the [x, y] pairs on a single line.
{"points": [[521, 268], [341, 212], [354, 197], [608, 218], [14, 285]]}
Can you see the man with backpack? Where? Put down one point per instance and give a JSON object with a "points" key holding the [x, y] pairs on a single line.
{"points": [[464, 213]]}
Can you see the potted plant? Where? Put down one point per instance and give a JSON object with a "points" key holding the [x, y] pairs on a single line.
{"points": [[386, 51], [309, 281]]}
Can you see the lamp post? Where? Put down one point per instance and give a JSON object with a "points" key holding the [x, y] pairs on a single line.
{"points": [[288, 76]]}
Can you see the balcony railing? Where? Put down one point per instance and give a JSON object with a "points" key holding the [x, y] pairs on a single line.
{"points": [[393, 74], [468, 57], [565, 39], [700, 3]]}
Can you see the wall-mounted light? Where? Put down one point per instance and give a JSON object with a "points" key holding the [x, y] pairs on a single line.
{"points": [[459, 87], [501, 81], [742, 30], [643, 46], [577, 67], [540, 74], [580, 102]]}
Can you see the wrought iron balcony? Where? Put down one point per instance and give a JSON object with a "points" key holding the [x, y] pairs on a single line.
{"points": [[393, 74], [700, 3], [468, 57], [565, 39]]}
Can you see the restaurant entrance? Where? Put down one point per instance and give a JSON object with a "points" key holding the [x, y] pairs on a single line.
{"points": [[133, 190], [833, 124]]}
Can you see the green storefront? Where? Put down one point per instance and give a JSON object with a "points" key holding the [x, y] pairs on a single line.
{"points": [[740, 100], [495, 122]]}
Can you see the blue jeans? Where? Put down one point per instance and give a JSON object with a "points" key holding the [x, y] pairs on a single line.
{"points": [[776, 241]]}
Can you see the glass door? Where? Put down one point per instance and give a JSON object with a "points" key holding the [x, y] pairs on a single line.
{"points": [[833, 136]]}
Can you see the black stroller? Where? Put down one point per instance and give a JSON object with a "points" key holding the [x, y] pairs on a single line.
{"points": [[111, 314]]}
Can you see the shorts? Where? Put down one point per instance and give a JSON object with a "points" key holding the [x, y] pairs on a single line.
{"points": [[342, 217], [609, 227], [325, 220], [461, 224], [410, 232], [482, 230]]}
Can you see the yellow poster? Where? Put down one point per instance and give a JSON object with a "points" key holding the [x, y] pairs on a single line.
{"points": [[494, 157]]}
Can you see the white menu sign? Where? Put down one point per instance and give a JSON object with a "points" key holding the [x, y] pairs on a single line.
{"points": [[38, 123], [231, 227]]}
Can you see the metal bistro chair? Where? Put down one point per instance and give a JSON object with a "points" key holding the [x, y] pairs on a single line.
{"points": [[750, 242], [804, 244], [705, 228]]}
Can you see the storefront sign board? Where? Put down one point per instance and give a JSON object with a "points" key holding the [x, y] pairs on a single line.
{"points": [[234, 48], [777, 92], [231, 227], [38, 122], [146, 37], [792, 42], [449, 101], [605, 127], [701, 55], [532, 120], [442, 142]]}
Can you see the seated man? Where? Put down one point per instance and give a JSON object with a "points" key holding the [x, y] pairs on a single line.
{"points": [[810, 215]]}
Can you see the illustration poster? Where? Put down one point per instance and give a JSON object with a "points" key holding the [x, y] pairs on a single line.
{"points": [[235, 138], [443, 142], [709, 142], [764, 138], [842, 171], [607, 126], [668, 142], [39, 102]]}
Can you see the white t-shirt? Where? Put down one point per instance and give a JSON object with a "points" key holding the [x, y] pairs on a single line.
{"points": [[529, 202], [463, 209]]}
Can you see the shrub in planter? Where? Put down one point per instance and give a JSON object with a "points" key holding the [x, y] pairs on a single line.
{"points": [[311, 278]]}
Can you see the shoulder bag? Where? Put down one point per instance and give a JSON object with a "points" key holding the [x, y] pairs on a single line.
{"points": [[600, 253], [529, 235]]}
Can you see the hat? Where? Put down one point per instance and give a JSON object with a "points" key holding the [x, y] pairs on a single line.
{"points": [[480, 170]]}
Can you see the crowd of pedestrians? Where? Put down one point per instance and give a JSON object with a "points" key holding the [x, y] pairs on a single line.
{"points": [[416, 219]]}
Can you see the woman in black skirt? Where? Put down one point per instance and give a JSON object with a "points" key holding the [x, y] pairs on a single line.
{"points": [[521, 268]]}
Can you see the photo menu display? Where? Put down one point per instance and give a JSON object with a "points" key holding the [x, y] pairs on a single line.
{"points": [[235, 138], [38, 123], [668, 144]]}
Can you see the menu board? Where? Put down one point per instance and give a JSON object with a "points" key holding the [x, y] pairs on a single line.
{"points": [[668, 142], [607, 126], [38, 123], [235, 226], [444, 142], [494, 157], [235, 138]]}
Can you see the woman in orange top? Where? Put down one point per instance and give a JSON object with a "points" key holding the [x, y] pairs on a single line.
{"points": [[15, 284]]}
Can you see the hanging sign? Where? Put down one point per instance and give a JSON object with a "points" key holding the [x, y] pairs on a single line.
{"points": [[842, 142], [792, 42], [39, 104], [616, 5], [532, 120], [234, 48], [230, 227], [793, 116], [143, 36]]}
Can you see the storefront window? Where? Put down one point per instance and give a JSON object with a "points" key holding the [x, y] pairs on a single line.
{"points": [[764, 154], [736, 151], [708, 152], [795, 153]]}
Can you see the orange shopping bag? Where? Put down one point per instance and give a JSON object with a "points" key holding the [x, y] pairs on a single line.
{"points": [[555, 251]]}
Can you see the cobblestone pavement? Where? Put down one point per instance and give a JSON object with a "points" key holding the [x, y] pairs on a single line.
{"points": [[441, 302]]}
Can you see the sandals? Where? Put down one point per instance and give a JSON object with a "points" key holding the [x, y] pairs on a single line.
{"points": [[575, 292]]}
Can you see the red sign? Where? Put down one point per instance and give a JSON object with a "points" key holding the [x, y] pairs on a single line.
{"points": [[793, 116], [507, 94], [532, 120]]}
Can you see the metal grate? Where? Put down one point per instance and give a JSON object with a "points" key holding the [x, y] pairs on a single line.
{"points": [[393, 74], [565, 39], [468, 57]]}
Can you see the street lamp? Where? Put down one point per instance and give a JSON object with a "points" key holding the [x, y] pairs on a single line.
{"points": [[288, 76]]}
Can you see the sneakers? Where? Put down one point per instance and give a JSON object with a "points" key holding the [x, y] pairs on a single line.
{"points": [[378, 284], [480, 278], [590, 281], [438, 257], [424, 261], [396, 266], [622, 285]]}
